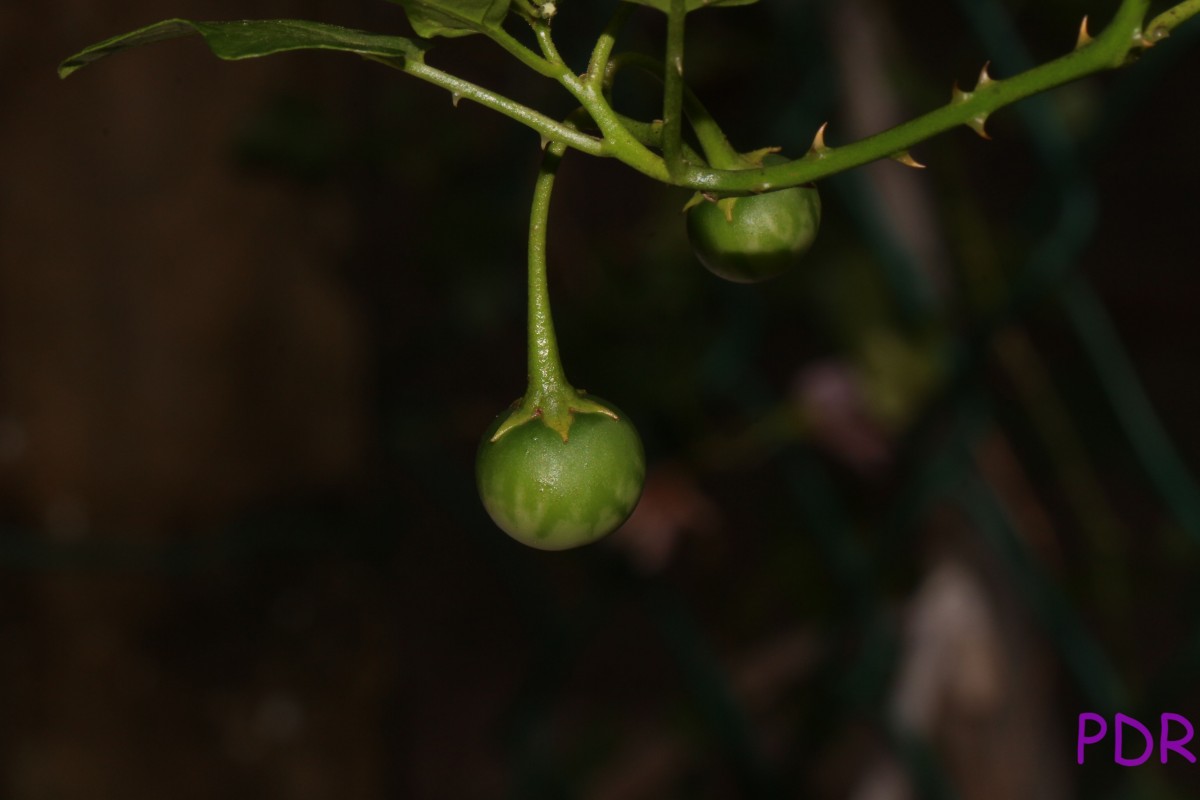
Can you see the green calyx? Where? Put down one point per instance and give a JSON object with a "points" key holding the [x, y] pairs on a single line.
{"points": [[556, 409]]}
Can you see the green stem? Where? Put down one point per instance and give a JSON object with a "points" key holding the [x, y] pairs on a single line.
{"points": [[616, 137], [1108, 51], [651, 135], [541, 30], [648, 133], [1162, 25], [717, 148], [537, 63], [551, 129], [525, 8], [546, 377], [598, 64], [618, 141], [673, 90]]}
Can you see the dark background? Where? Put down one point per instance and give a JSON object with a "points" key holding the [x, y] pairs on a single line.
{"points": [[911, 508]]}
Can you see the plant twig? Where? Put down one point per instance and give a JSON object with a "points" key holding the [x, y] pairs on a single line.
{"points": [[598, 64], [1110, 50], [717, 149], [539, 64], [1161, 26], [541, 30], [551, 129], [673, 90]]}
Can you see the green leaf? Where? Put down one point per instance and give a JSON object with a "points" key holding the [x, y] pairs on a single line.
{"points": [[692, 5], [253, 38], [431, 18]]}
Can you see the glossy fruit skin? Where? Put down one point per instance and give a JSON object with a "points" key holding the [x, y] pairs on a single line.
{"points": [[767, 235], [555, 495]]}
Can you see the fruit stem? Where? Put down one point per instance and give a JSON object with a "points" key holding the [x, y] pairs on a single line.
{"points": [[598, 64], [548, 396], [546, 374]]}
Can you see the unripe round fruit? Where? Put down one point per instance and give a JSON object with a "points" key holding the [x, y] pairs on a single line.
{"points": [[555, 495], [766, 236]]}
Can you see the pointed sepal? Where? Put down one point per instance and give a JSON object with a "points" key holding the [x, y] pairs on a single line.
{"points": [[755, 157], [557, 413], [517, 417], [695, 200], [726, 205], [582, 404]]}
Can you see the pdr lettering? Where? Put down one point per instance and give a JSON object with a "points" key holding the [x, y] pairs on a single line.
{"points": [[1133, 742]]}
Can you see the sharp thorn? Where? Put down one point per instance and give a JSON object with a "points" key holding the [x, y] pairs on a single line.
{"points": [[818, 144], [905, 158], [1084, 36], [957, 95], [976, 124], [984, 78]]}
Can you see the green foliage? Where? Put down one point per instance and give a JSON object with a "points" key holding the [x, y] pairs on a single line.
{"points": [[253, 38], [453, 18]]}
